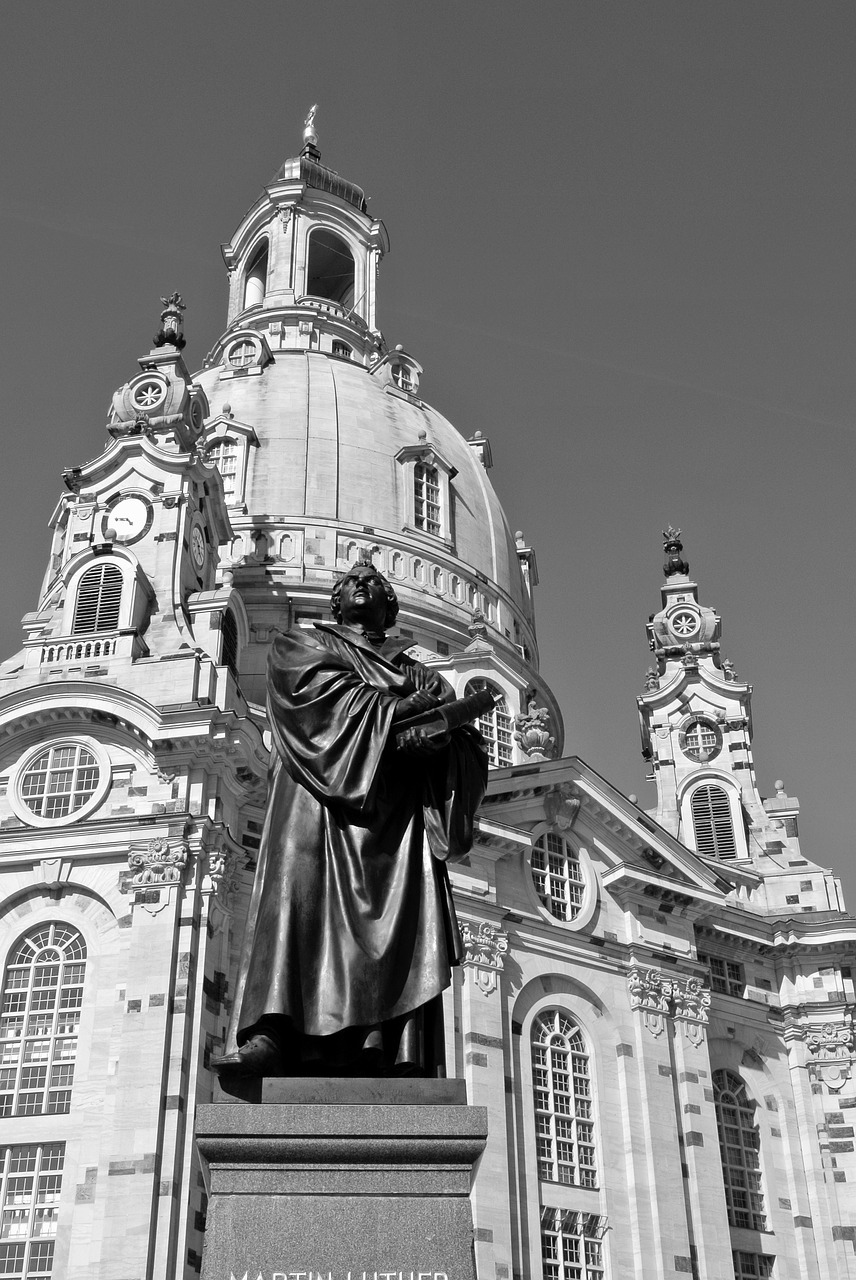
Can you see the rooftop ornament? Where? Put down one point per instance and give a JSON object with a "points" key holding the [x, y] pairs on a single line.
{"points": [[172, 323], [310, 137], [673, 547]]}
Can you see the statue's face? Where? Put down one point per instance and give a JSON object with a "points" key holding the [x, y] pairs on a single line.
{"points": [[363, 599]]}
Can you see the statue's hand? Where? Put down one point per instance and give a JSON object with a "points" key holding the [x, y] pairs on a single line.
{"points": [[414, 703], [418, 742], [432, 681]]}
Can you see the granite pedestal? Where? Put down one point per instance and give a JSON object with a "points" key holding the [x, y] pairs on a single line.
{"points": [[341, 1180]]}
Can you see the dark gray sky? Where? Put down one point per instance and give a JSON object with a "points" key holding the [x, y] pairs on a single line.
{"points": [[622, 247]]}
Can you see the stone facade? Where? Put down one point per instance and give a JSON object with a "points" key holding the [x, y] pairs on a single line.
{"points": [[637, 986]]}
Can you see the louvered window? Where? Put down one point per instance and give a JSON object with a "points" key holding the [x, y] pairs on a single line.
{"points": [[739, 1148], [714, 830], [564, 1120], [99, 597], [41, 1003], [495, 725]]}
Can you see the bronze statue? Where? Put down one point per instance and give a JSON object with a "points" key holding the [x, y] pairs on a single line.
{"points": [[351, 930]]}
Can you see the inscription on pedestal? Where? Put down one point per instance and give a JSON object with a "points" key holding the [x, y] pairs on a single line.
{"points": [[341, 1275]]}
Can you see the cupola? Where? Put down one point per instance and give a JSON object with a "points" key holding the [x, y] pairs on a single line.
{"points": [[303, 262]]}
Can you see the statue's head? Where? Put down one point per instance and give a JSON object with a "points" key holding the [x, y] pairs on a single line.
{"points": [[376, 590]]}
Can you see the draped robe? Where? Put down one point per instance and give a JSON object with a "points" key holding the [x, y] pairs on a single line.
{"points": [[351, 921]]}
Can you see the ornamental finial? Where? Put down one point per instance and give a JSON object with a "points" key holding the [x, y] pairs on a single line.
{"points": [[673, 547], [310, 137], [172, 322]]}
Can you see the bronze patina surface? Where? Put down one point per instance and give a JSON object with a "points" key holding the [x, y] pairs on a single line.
{"points": [[351, 931]]}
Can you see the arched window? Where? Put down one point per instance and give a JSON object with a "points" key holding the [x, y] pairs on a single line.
{"points": [[229, 634], [30, 1186], [495, 725], [558, 876], [99, 597], [41, 1002], [563, 1105], [224, 456], [714, 830], [739, 1147], [426, 498], [330, 270], [571, 1244], [255, 281]]}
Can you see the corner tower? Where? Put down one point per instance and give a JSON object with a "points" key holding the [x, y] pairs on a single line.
{"points": [[696, 722]]}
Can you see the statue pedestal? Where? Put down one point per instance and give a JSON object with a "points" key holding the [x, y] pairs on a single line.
{"points": [[341, 1180]]}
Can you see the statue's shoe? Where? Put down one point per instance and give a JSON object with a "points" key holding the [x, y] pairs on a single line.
{"points": [[258, 1057]]}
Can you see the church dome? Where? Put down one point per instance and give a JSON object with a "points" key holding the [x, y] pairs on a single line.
{"points": [[336, 443]]}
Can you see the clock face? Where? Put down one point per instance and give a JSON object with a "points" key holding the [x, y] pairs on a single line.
{"points": [[130, 516], [197, 545]]}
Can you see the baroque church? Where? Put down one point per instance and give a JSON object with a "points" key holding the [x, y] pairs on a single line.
{"points": [[656, 1007]]}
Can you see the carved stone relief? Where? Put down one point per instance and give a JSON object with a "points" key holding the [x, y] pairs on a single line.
{"points": [[157, 862], [561, 806], [833, 1047], [485, 944], [659, 997]]}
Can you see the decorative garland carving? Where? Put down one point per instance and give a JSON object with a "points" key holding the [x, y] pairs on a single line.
{"points": [[660, 997], [485, 945]]}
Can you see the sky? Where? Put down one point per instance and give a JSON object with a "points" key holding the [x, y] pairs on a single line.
{"points": [[622, 248]]}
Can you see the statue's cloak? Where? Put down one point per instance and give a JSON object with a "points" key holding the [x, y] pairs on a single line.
{"points": [[351, 921]]}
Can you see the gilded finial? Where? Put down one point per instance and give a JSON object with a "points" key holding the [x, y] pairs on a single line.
{"points": [[310, 137]]}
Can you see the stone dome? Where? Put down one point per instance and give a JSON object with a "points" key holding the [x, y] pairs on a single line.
{"points": [[336, 449], [329, 439]]}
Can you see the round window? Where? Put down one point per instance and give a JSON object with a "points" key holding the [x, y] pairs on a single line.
{"points": [[243, 353], [701, 740], [148, 394], [558, 876], [59, 783], [196, 415]]}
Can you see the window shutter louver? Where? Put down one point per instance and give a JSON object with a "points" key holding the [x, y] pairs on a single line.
{"points": [[714, 830], [99, 597]]}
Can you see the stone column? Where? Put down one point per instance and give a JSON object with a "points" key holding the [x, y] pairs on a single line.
{"points": [[342, 1180]]}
